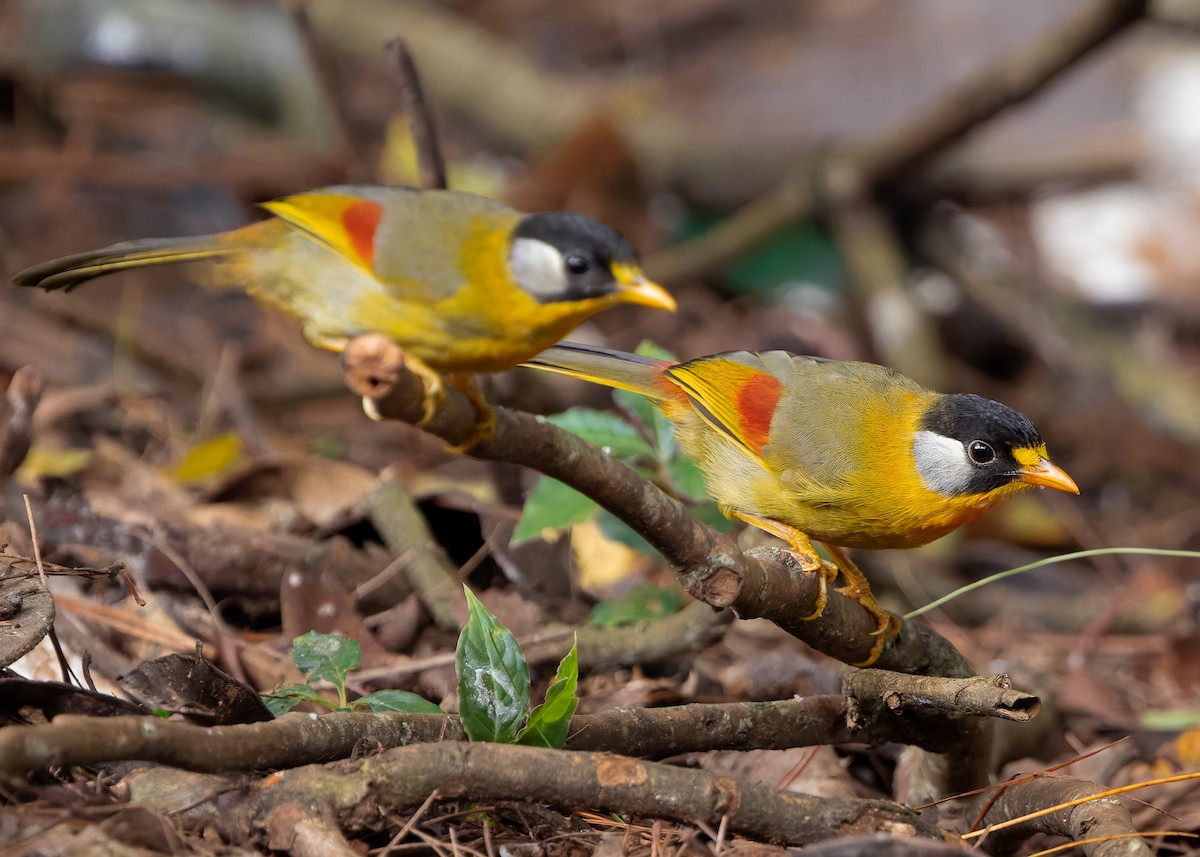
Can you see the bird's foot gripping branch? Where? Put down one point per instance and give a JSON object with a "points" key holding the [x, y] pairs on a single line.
{"points": [[461, 282], [847, 453], [766, 583]]}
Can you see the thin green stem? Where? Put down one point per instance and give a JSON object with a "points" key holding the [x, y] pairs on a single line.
{"points": [[1041, 563]]}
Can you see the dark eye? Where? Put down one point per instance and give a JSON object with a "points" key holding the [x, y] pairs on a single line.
{"points": [[980, 452], [577, 264]]}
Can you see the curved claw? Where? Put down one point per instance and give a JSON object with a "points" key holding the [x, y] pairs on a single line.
{"points": [[887, 626], [433, 384], [890, 628], [802, 549], [485, 417], [857, 587], [828, 573], [482, 431], [873, 655], [431, 401]]}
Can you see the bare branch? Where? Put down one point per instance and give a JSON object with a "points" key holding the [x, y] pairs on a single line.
{"points": [[879, 707], [1098, 818], [921, 696], [363, 793], [761, 583]]}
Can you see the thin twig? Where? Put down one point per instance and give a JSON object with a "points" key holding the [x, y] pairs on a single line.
{"points": [[37, 551], [408, 825], [394, 514], [722, 830], [999, 787], [224, 639], [1099, 794], [64, 665], [488, 843], [429, 152], [1092, 840], [86, 668], [389, 571]]}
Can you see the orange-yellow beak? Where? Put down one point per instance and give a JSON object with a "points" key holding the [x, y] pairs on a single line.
{"points": [[636, 289], [1048, 475]]}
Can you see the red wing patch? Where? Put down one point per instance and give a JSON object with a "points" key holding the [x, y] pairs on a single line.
{"points": [[735, 399], [360, 220], [756, 401]]}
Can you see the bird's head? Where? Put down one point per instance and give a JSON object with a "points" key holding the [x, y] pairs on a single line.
{"points": [[561, 256], [967, 446]]}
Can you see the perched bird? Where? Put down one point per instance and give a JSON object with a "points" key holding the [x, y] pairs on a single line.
{"points": [[462, 283], [852, 455]]}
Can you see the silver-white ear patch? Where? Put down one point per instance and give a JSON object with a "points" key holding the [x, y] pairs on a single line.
{"points": [[942, 463], [538, 268]]}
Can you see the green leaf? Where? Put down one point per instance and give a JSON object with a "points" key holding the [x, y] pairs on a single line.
{"points": [[398, 700], [643, 602], [607, 431], [1170, 719], [283, 699], [797, 253], [619, 531], [493, 677], [326, 657], [689, 483], [687, 479], [647, 348], [549, 722], [551, 505], [709, 515], [648, 414]]}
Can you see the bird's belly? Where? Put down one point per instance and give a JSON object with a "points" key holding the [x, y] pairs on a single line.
{"points": [[867, 523], [481, 343], [470, 333], [853, 515], [446, 335], [474, 327]]}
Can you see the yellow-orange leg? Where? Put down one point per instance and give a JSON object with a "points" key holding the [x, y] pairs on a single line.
{"points": [[434, 384], [802, 546], [485, 417], [434, 388], [858, 588]]}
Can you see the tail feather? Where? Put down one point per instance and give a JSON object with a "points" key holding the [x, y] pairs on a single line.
{"points": [[619, 369], [70, 271]]}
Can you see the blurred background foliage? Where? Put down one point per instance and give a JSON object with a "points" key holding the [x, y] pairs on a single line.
{"points": [[1048, 259]]}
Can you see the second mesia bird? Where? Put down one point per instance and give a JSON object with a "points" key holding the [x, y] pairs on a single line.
{"points": [[849, 454], [462, 283]]}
